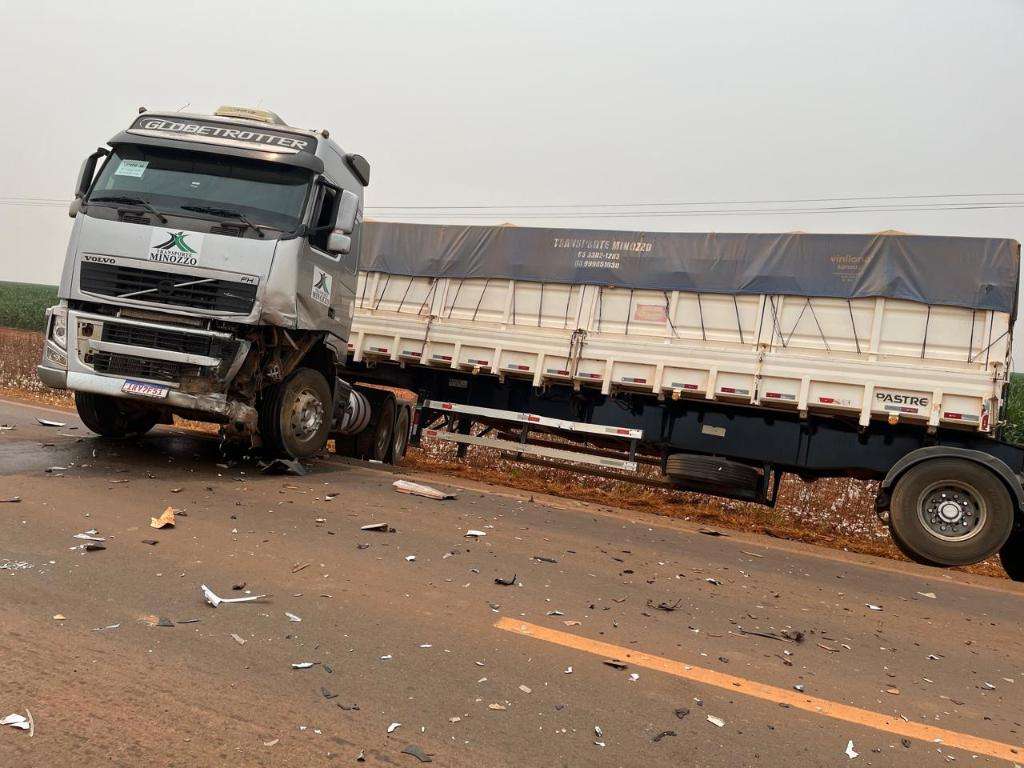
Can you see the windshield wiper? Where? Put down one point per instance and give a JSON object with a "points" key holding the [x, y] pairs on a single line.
{"points": [[227, 212], [125, 200]]}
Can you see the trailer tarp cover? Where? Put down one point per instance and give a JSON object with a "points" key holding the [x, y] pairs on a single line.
{"points": [[978, 273]]}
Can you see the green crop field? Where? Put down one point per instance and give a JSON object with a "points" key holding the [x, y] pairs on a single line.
{"points": [[23, 305]]}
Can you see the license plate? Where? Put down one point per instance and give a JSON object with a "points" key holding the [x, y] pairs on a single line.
{"points": [[144, 389]]}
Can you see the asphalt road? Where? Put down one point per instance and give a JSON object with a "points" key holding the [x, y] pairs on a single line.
{"points": [[477, 673]]}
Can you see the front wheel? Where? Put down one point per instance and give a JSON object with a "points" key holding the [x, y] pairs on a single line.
{"points": [[114, 417], [950, 512], [295, 416]]}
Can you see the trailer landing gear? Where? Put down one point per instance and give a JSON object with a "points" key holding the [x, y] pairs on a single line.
{"points": [[950, 512]]}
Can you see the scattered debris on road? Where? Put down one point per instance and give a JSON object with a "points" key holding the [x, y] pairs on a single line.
{"points": [[11, 500], [506, 582], [716, 721], [166, 519], [615, 664], [283, 467], [303, 664], [404, 486], [471, 533], [213, 599], [850, 753], [665, 605], [662, 735], [418, 753], [48, 423], [378, 527]]}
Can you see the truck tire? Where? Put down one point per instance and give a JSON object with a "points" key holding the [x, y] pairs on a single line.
{"points": [[295, 415], [1012, 556], [400, 438], [950, 512], [710, 471], [113, 417], [374, 442]]}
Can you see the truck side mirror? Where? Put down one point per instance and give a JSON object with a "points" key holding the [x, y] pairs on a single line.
{"points": [[340, 241], [360, 167], [85, 174]]}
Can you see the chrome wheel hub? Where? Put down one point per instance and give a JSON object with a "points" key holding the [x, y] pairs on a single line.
{"points": [[952, 511], [306, 416]]}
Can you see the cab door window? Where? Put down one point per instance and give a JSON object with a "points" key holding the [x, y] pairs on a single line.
{"points": [[324, 217]]}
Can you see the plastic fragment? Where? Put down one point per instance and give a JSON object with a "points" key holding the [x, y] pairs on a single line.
{"points": [[213, 599], [166, 519], [716, 721], [418, 753], [283, 467], [850, 753], [48, 423], [506, 582], [416, 489]]}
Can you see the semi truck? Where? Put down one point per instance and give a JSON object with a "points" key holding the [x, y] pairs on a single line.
{"points": [[220, 269]]}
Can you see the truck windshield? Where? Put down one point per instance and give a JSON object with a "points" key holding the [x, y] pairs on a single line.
{"points": [[172, 181]]}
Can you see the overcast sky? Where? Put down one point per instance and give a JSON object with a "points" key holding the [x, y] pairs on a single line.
{"points": [[556, 102]]}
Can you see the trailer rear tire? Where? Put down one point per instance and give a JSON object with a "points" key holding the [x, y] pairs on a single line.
{"points": [[113, 417], [400, 438], [374, 442], [950, 512], [1012, 556], [295, 415]]}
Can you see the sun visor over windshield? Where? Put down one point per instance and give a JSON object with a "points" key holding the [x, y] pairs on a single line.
{"points": [[267, 153]]}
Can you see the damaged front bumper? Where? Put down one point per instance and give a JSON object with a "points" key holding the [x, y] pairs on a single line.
{"points": [[192, 365]]}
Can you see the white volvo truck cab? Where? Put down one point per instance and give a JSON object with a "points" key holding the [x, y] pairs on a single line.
{"points": [[211, 274]]}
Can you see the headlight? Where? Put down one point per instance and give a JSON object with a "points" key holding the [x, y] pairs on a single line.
{"points": [[59, 328]]}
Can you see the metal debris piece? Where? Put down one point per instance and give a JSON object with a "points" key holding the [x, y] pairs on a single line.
{"points": [[109, 626], [416, 489], [716, 721], [850, 753], [11, 500], [542, 559], [506, 582], [525, 689], [410, 558], [16, 721], [786, 635], [59, 617], [929, 595], [497, 707], [166, 520], [568, 670], [799, 687], [151, 542], [300, 566], [716, 582], [394, 727], [164, 622], [292, 617], [682, 712], [214, 600], [270, 743], [712, 532], [349, 707], [382, 527], [871, 607], [615, 664], [48, 423], [89, 536], [238, 639], [418, 753], [94, 547], [665, 606], [361, 757], [473, 533], [283, 467], [303, 664], [327, 694], [662, 735]]}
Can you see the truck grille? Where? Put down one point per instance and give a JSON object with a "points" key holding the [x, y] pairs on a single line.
{"points": [[141, 367], [167, 288], [162, 338]]}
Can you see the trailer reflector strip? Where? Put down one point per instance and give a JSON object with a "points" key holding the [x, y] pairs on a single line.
{"points": [[681, 385], [479, 362], [378, 350], [632, 380], [901, 409], [410, 353], [733, 391], [556, 372], [445, 358], [779, 396], [585, 375], [536, 450], [959, 416], [517, 367]]}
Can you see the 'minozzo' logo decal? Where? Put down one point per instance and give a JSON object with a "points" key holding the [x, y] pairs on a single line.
{"points": [[321, 289], [175, 247]]}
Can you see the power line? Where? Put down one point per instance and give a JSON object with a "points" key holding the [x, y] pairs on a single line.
{"points": [[705, 202]]}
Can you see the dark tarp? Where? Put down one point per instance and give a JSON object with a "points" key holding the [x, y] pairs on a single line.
{"points": [[978, 273]]}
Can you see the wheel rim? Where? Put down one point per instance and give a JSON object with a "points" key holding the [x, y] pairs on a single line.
{"points": [[952, 511], [306, 415], [399, 438], [383, 440]]}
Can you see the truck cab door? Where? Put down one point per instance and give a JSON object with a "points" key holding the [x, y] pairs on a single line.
{"points": [[326, 281]]}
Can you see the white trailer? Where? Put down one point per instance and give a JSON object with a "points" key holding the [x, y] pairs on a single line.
{"points": [[890, 364]]}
